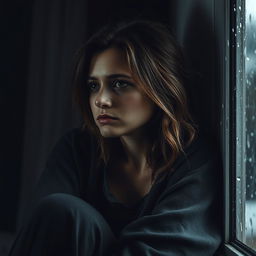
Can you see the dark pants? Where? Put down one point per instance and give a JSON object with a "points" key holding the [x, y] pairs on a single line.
{"points": [[63, 224]]}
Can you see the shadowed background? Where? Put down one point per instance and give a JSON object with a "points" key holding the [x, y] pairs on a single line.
{"points": [[39, 40]]}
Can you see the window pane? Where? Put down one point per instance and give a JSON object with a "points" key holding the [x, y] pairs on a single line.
{"points": [[246, 122]]}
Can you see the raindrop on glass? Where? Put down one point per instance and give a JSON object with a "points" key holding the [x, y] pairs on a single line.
{"points": [[248, 142]]}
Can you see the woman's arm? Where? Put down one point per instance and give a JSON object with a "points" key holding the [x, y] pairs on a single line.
{"points": [[63, 169], [186, 221]]}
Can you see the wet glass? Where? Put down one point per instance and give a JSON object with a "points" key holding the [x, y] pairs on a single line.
{"points": [[245, 91]]}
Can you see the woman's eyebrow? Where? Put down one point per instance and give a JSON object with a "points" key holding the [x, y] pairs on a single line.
{"points": [[111, 76]]}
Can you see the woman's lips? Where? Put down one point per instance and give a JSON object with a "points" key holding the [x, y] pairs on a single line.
{"points": [[106, 120]]}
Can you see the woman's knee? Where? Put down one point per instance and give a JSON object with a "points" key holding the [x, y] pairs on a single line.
{"points": [[57, 203]]}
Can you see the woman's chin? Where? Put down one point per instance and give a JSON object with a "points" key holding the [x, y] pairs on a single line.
{"points": [[109, 134]]}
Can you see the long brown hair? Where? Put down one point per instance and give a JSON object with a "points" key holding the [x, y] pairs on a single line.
{"points": [[157, 63]]}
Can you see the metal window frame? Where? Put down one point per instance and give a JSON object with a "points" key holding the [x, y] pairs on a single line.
{"points": [[232, 246]]}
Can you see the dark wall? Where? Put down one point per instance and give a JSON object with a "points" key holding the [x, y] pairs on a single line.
{"points": [[15, 34], [195, 24], [115, 10]]}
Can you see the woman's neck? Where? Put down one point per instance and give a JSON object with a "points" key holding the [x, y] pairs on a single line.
{"points": [[134, 154]]}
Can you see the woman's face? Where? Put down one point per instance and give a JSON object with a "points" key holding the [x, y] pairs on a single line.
{"points": [[114, 92]]}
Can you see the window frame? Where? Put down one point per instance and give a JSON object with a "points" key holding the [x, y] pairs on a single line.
{"points": [[232, 246]]}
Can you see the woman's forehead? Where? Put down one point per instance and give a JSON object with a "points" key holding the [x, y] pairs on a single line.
{"points": [[110, 61]]}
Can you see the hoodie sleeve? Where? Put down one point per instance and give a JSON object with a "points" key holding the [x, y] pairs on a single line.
{"points": [[186, 220], [64, 168]]}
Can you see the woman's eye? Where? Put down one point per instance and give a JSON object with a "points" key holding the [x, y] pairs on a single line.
{"points": [[92, 86], [120, 84]]}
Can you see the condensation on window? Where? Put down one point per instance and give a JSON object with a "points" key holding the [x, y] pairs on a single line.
{"points": [[246, 122]]}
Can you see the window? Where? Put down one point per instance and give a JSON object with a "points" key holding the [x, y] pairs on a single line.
{"points": [[246, 124], [242, 137]]}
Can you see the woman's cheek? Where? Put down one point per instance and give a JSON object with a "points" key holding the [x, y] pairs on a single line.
{"points": [[133, 102]]}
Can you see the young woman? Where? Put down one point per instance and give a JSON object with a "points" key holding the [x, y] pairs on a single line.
{"points": [[137, 178]]}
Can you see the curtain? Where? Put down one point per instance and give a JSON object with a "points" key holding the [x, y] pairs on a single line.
{"points": [[58, 30]]}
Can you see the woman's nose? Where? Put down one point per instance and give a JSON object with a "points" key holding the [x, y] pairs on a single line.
{"points": [[103, 99]]}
